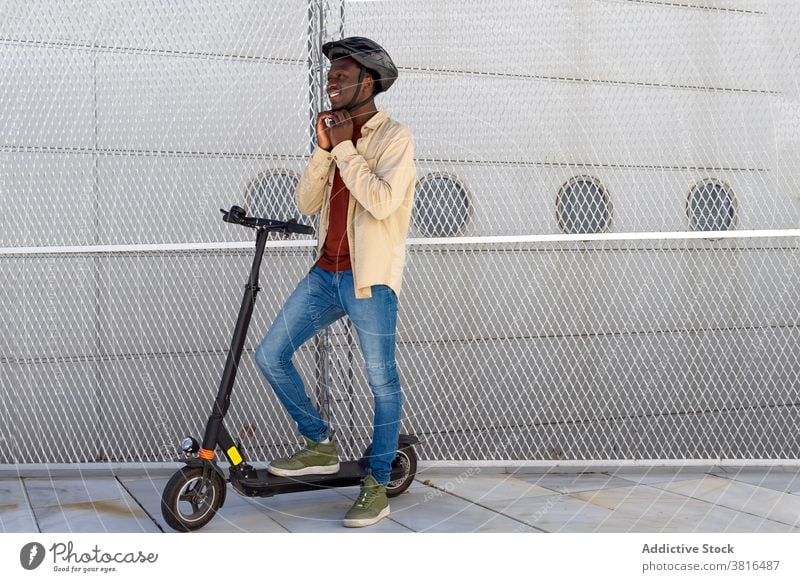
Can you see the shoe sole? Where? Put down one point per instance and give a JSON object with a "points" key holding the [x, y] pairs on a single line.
{"points": [[316, 470], [365, 521]]}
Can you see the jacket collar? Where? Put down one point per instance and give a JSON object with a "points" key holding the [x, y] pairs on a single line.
{"points": [[375, 121]]}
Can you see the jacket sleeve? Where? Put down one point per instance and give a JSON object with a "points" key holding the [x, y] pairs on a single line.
{"points": [[381, 190], [311, 188]]}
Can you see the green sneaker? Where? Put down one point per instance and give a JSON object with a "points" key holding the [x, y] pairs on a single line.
{"points": [[313, 459], [371, 506]]}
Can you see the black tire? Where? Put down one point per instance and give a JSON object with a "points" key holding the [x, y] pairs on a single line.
{"points": [[406, 458], [190, 500]]}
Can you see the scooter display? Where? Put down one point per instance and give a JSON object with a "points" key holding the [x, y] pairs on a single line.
{"points": [[197, 491]]}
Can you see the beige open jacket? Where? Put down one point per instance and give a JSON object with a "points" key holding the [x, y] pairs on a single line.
{"points": [[380, 173]]}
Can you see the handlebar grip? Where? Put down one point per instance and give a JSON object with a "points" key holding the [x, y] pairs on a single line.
{"points": [[295, 227]]}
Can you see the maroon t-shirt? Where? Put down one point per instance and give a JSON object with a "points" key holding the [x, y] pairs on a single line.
{"points": [[336, 251]]}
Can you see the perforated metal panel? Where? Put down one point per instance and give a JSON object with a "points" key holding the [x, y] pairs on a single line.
{"points": [[669, 128]]}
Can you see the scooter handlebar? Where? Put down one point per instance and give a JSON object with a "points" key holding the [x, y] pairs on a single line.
{"points": [[238, 215]]}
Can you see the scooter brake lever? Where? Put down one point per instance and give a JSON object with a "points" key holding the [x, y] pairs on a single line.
{"points": [[236, 215]]}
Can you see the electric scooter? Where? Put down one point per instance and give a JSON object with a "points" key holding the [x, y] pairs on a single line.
{"points": [[197, 491]]}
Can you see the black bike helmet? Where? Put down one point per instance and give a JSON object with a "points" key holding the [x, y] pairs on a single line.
{"points": [[367, 53]]}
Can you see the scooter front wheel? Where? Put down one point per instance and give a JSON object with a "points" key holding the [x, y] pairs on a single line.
{"points": [[191, 499]]}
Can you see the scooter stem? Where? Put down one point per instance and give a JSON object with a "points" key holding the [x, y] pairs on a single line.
{"points": [[222, 401]]}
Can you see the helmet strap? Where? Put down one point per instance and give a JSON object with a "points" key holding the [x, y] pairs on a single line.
{"points": [[350, 107]]}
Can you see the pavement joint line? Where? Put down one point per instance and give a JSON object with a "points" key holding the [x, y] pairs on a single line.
{"points": [[139, 503], [389, 517], [30, 505], [586, 490], [511, 517]]}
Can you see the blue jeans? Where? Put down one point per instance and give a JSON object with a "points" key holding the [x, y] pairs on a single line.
{"points": [[320, 299]]}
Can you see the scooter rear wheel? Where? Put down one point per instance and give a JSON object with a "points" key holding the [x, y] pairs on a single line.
{"points": [[406, 460], [190, 500]]}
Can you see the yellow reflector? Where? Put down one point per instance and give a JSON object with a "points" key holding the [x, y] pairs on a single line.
{"points": [[234, 456]]}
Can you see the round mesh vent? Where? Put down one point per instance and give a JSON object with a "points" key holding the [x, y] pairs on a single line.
{"points": [[582, 206], [441, 206], [711, 206]]}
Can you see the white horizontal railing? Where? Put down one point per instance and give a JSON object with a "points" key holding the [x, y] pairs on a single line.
{"points": [[530, 238]]}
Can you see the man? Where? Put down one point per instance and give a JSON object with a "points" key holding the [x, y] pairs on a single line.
{"points": [[360, 180]]}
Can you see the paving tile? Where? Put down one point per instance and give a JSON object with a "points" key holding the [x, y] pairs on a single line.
{"points": [[16, 515], [425, 509], [481, 488], [554, 513], [645, 476], [774, 467], [779, 480], [574, 483], [644, 508], [46, 492], [238, 514], [743, 497], [431, 468], [556, 469], [97, 504], [318, 511], [110, 515]]}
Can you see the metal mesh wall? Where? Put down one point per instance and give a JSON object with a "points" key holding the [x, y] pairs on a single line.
{"points": [[126, 125]]}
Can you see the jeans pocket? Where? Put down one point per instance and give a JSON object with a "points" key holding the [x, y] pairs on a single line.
{"points": [[385, 294], [379, 290]]}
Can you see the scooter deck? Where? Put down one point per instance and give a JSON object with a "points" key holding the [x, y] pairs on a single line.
{"points": [[266, 484]]}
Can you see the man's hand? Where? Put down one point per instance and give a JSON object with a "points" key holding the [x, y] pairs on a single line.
{"points": [[342, 128], [323, 133]]}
